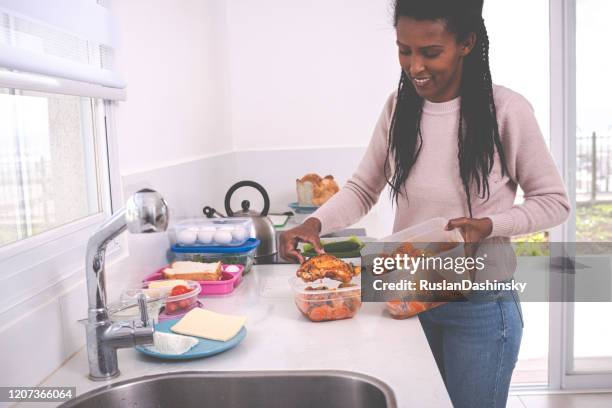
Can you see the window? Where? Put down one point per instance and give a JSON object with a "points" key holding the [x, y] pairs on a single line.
{"points": [[592, 340], [520, 61], [580, 352], [57, 173], [48, 169]]}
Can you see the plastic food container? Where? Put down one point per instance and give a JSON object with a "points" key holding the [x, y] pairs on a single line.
{"points": [[209, 232], [330, 300], [235, 270], [400, 309], [429, 238], [127, 309], [230, 278], [429, 231], [180, 303], [225, 285], [243, 255], [163, 316]]}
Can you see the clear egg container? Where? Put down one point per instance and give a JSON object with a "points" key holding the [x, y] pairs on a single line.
{"points": [[211, 232]]}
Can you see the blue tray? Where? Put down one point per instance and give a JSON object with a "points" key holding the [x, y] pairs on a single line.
{"points": [[204, 348], [303, 209]]}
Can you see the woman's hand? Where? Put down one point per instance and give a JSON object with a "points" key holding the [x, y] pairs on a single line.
{"points": [[305, 232], [473, 230]]}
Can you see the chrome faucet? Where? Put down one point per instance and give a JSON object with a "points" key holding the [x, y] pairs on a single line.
{"points": [[146, 211]]}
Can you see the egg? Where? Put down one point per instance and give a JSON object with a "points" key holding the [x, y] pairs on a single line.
{"points": [[232, 268], [239, 234], [187, 237], [206, 234], [223, 237]]}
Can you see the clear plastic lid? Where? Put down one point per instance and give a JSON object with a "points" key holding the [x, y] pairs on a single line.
{"points": [[324, 286], [247, 246], [193, 286], [127, 306], [429, 231]]}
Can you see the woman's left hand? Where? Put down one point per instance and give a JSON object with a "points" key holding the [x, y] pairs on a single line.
{"points": [[473, 230]]}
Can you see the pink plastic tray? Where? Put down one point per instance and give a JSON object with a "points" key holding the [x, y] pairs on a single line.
{"points": [[229, 280]]}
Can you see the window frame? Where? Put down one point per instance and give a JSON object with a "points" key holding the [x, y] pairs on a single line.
{"points": [[23, 263], [563, 147]]}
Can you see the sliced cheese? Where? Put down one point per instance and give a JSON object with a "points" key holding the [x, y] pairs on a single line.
{"points": [[209, 325], [170, 283]]}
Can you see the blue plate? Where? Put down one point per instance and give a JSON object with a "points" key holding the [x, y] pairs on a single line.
{"points": [[204, 348], [303, 209]]}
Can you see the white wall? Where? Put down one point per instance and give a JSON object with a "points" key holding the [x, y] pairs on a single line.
{"points": [[173, 132], [174, 58], [307, 76], [520, 58], [309, 73]]}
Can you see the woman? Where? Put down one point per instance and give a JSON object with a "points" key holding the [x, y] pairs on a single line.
{"points": [[451, 144]]}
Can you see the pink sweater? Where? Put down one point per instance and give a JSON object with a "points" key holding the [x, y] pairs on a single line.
{"points": [[434, 185]]}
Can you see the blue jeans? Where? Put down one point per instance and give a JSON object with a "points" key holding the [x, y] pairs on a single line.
{"points": [[476, 344]]}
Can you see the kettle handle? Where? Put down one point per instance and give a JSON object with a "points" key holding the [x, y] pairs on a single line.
{"points": [[247, 183], [210, 212]]}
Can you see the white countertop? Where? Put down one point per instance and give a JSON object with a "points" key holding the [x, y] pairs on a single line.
{"points": [[280, 338]]}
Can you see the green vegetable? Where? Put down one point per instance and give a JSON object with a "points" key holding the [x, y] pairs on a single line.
{"points": [[349, 248], [245, 260]]}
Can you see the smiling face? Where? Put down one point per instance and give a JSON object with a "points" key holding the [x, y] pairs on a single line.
{"points": [[432, 57]]}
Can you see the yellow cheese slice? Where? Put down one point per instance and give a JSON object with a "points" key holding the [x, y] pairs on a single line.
{"points": [[166, 283], [209, 325]]}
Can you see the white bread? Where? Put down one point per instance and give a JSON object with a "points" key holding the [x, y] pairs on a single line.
{"points": [[198, 271], [162, 284]]}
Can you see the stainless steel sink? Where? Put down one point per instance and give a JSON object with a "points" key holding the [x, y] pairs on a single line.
{"points": [[270, 389]]}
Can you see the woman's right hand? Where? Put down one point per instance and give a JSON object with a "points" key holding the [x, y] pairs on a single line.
{"points": [[308, 231]]}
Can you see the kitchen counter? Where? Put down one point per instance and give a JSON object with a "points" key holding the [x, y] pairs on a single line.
{"points": [[280, 338]]}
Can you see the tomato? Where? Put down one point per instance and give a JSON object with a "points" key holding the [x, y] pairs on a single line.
{"points": [[171, 307], [179, 290]]}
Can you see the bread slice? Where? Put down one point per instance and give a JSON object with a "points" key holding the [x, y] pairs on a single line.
{"points": [[162, 284], [198, 271]]}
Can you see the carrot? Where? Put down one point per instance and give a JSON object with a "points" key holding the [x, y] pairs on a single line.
{"points": [[341, 312], [405, 248], [415, 307], [320, 313]]}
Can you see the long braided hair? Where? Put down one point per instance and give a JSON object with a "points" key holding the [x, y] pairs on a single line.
{"points": [[478, 133]]}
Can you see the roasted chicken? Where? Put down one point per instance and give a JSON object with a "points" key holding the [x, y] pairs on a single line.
{"points": [[327, 266]]}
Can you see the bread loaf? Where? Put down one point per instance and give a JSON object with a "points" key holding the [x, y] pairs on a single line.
{"points": [[313, 190]]}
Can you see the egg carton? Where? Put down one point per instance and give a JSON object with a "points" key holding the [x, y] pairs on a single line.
{"points": [[212, 232]]}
